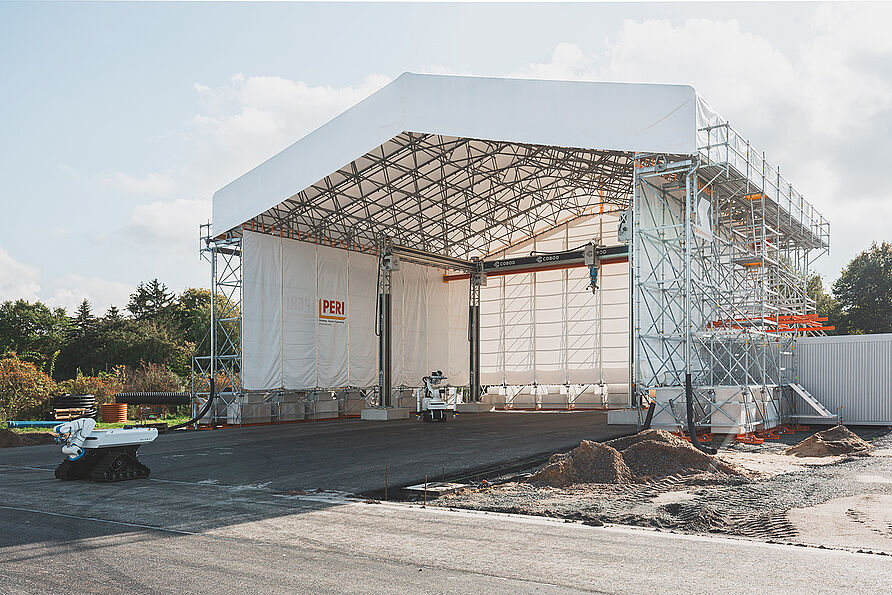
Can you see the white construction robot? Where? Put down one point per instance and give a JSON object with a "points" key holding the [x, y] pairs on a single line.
{"points": [[430, 405], [101, 455]]}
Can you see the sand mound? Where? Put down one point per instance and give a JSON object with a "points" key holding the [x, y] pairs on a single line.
{"points": [[646, 455], [838, 440], [9, 438], [590, 462], [652, 435], [651, 459]]}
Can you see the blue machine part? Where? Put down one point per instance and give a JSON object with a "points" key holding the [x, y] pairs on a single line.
{"points": [[33, 424], [593, 277]]}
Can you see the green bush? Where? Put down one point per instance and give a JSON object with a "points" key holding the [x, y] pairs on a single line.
{"points": [[25, 391], [103, 386], [149, 377]]}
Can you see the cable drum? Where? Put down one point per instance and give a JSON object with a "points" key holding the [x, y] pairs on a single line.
{"points": [[154, 398]]}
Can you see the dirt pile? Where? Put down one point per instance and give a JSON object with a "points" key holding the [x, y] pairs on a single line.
{"points": [[650, 459], [9, 438], [838, 440], [590, 462], [663, 436], [658, 453], [641, 457]]}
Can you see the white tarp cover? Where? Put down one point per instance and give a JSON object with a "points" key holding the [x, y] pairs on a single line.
{"points": [[308, 318], [574, 114], [548, 327]]}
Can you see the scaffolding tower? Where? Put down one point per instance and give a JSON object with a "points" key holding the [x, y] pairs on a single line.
{"points": [[223, 359], [722, 246]]}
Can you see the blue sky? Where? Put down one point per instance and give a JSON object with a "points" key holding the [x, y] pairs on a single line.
{"points": [[120, 120]]}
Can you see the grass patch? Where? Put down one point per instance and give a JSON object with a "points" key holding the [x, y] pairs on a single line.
{"points": [[170, 420]]}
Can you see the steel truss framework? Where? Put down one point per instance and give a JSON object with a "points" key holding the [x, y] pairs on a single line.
{"points": [[724, 309], [457, 197], [719, 294], [224, 359]]}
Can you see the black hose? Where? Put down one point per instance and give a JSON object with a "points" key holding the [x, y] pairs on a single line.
{"points": [[201, 413], [692, 429], [154, 398], [650, 416]]}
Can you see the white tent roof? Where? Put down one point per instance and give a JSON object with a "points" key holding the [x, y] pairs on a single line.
{"points": [[596, 123]]}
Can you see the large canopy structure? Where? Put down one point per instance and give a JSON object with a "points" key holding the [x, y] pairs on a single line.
{"points": [[462, 165], [464, 173]]}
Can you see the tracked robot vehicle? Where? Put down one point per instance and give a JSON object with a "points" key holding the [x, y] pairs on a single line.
{"points": [[101, 455]]}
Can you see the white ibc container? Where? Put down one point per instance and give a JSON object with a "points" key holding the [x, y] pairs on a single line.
{"points": [[256, 413], [352, 404], [768, 401], [234, 413], [404, 398], [554, 399], [735, 411], [663, 395], [292, 411], [495, 397], [525, 399], [324, 408], [592, 397]]}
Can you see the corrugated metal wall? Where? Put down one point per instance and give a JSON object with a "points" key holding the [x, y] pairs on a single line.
{"points": [[853, 372]]}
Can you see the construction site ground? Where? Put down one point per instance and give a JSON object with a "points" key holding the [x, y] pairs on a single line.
{"points": [[834, 502], [236, 510], [355, 456]]}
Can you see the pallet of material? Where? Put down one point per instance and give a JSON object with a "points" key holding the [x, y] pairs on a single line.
{"points": [[68, 414]]}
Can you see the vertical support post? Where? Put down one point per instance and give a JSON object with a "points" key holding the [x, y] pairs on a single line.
{"points": [[385, 269], [476, 280], [384, 341], [212, 364]]}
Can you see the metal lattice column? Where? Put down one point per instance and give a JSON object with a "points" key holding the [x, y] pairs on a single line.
{"points": [[224, 360]]}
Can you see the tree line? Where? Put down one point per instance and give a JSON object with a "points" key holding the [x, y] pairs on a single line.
{"points": [[148, 346], [860, 300], [158, 326]]}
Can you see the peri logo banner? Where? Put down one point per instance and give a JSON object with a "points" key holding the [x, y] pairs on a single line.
{"points": [[332, 310]]}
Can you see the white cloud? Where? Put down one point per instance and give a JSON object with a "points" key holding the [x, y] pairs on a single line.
{"points": [[238, 125], [823, 112], [567, 62], [153, 184], [254, 117], [175, 220], [17, 280], [72, 289], [21, 281]]}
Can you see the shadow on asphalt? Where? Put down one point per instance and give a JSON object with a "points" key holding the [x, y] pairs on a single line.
{"points": [[209, 479]]}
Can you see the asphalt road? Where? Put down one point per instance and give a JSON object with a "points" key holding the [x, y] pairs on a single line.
{"points": [[154, 536], [215, 518], [350, 455]]}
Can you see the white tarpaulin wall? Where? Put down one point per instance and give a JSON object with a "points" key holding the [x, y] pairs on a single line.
{"points": [[547, 327], [308, 318]]}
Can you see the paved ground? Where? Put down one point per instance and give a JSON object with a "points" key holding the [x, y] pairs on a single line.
{"points": [[350, 455], [182, 531], [154, 536]]}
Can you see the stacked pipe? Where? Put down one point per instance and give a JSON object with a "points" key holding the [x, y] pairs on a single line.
{"points": [[66, 406]]}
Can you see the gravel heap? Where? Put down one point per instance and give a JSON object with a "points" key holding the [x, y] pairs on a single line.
{"points": [[590, 462], [838, 440], [9, 438], [639, 458]]}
